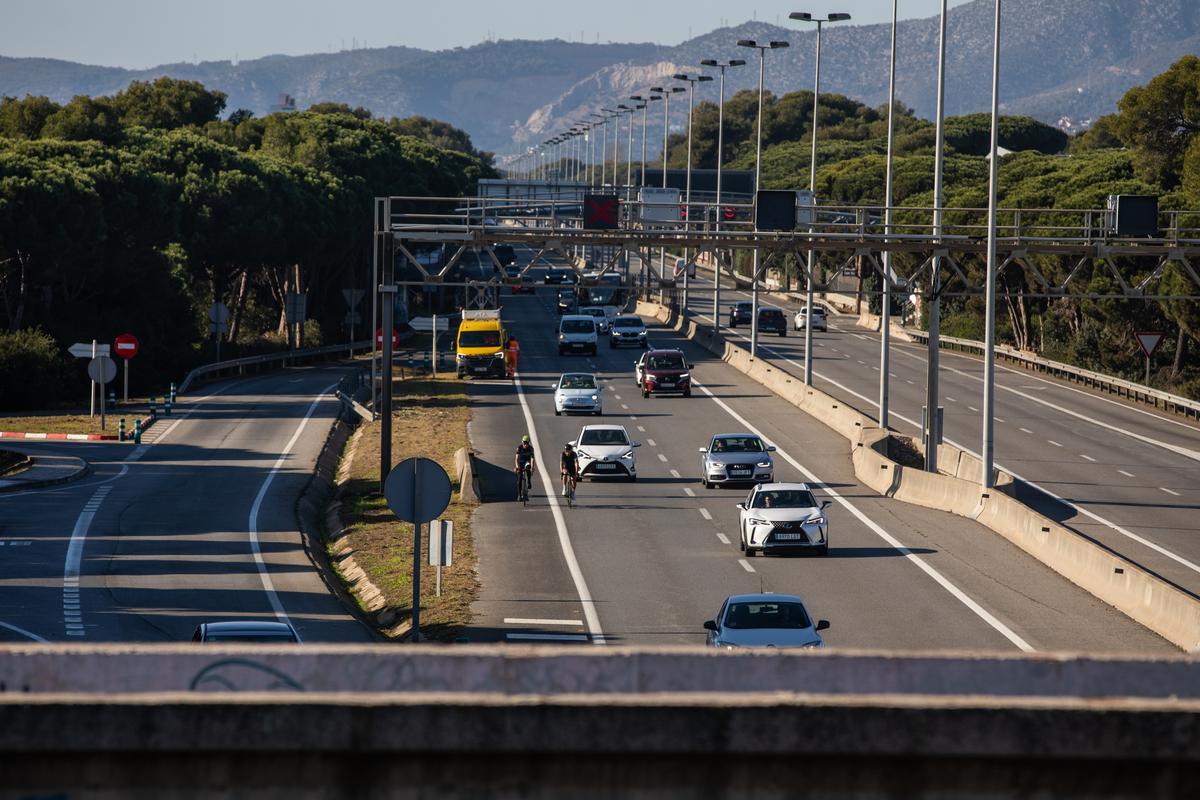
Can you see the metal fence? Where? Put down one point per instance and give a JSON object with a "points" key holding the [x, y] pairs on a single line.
{"points": [[239, 366]]}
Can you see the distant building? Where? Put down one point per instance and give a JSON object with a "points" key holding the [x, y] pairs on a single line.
{"points": [[285, 102]]}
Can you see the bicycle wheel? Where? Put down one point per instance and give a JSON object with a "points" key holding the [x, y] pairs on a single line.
{"points": [[525, 488]]}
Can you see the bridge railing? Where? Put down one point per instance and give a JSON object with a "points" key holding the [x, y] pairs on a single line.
{"points": [[286, 358]]}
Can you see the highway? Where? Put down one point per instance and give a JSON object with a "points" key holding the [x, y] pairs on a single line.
{"points": [[197, 524], [648, 562], [1124, 475]]}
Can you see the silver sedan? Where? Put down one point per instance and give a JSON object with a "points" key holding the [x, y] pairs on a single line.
{"points": [[764, 620], [736, 458]]}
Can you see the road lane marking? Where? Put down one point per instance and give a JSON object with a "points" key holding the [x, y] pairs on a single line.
{"points": [[675, 474], [1026, 430], [1056, 444], [616, 397], [547, 637], [22, 631], [252, 522], [662, 458], [688, 491], [641, 429], [523, 621], [704, 513], [723, 538], [624, 406], [1086, 457], [560, 524], [652, 443], [746, 565], [74, 558], [951, 399], [1127, 474], [1170, 491], [912, 557], [973, 408]]}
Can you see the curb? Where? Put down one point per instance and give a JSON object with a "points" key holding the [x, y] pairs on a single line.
{"points": [[59, 437], [83, 469]]}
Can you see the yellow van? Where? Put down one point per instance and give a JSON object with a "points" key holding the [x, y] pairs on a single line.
{"points": [[479, 349]]}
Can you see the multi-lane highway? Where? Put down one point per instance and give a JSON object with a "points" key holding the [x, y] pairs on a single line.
{"points": [[648, 562], [1121, 474], [197, 524]]}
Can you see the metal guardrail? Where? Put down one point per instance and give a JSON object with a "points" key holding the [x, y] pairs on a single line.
{"points": [[1106, 383], [284, 358]]}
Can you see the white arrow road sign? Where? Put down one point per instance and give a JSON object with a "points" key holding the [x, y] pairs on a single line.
{"points": [[85, 349]]}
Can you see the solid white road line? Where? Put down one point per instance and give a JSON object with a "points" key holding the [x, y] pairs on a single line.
{"points": [[920, 563], [746, 565], [1170, 491], [252, 522], [547, 637], [560, 524], [23, 632], [522, 621]]}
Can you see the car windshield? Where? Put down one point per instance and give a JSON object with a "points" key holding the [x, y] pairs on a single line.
{"points": [[785, 498], [578, 326], [627, 322], [665, 362], [751, 616], [595, 312], [737, 444], [604, 436], [578, 382], [265, 638], [479, 339]]}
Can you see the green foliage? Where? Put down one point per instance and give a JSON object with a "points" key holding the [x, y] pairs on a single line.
{"points": [[32, 370], [168, 103], [1161, 120], [972, 135], [24, 119]]}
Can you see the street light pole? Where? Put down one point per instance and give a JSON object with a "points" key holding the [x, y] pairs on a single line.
{"points": [[721, 65], [933, 428], [885, 315], [666, 93], [989, 345], [804, 16], [762, 70], [645, 101], [691, 80], [615, 116]]}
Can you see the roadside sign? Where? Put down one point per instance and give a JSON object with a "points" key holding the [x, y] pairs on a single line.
{"points": [[1149, 341], [425, 324], [102, 369], [218, 313], [441, 543], [88, 350], [353, 296], [417, 490], [296, 308], [395, 337], [126, 345], [600, 211]]}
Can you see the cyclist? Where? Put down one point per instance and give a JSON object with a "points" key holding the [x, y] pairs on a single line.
{"points": [[569, 469], [523, 464]]}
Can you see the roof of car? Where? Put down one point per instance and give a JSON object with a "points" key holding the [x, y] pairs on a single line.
{"points": [[249, 627], [578, 375], [733, 435], [587, 317], [661, 350], [628, 318], [764, 597], [783, 487], [768, 308], [603, 428]]}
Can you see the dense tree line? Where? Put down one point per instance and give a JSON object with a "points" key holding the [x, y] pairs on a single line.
{"points": [[137, 211]]}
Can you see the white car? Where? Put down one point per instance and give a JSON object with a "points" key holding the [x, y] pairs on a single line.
{"points": [[577, 393], [601, 316], [818, 319], [783, 516], [627, 330], [605, 451], [577, 334]]}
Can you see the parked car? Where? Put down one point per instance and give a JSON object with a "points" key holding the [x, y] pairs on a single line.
{"points": [[739, 312], [764, 620], [659, 371], [772, 320], [577, 334], [258, 632], [627, 330], [783, 516], [736, 458], [566, 301], [601, 317], [605, 451], [577, 393], [818, 318]]}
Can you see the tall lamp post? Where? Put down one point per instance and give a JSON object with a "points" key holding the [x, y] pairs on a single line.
{"points": [[804, 16], [721, 65], [629, 148], [615, 115], [645, 101], [989, 347], [666, 93], [691, 80], [762, 48], [885, 313], [603, 123]]}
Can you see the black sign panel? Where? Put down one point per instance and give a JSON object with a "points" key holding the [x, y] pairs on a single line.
{"points": [[775, 210], [601, 212]]}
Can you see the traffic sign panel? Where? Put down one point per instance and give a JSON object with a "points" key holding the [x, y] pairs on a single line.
{"points": [[218, 313], [102, 369], [1149, 341], [126, 345], [417, 490], [425, 324], [600, 211], [85, 350], [379, 337]]}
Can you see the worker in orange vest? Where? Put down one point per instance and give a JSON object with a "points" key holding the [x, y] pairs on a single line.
{"points": [[511, 352]]}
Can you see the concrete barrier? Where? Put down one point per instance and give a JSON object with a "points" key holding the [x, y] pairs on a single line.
{"points": [[468, 477], [1145, 598]]}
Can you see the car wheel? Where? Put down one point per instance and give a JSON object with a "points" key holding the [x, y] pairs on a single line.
{"points": [[704, 482], [741, 544], [560, 351], [824, 551], [750, 552], [612, 344], [687, 392], [783, 333], [633, 478], [557, 413]]}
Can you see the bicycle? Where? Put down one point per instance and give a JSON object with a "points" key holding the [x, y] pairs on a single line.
{"points": [[569, 482], [524, 482]]}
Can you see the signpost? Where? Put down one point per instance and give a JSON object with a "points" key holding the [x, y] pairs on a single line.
{"points": [[441, 547], [218, 323], [85, 350], [126, 346], [1149, 342], [434, 325], [102, 370], [417, 490]]}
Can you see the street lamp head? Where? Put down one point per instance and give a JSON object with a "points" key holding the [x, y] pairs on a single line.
{"points": [[680, 76], [736, 62], [709, 62], [703, 78], [657, 89], [838, 17], [802, 16], [778, 45], [747, 43]]}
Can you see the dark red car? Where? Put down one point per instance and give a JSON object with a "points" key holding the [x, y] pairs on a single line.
{"points": [[660, 371]]}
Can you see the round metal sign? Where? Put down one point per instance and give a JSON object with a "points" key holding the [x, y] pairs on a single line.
{"points": [[102, 369], [218, 313], [417, 490]]}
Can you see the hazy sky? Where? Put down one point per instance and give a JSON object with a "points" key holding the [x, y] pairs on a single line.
{"points": [[144, 33]]}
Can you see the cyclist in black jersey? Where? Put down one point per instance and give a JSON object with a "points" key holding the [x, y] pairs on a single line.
{"points": [[569, 468], [523, 464]]}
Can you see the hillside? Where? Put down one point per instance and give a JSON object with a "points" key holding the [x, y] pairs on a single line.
{"points": [[1069, 58]]}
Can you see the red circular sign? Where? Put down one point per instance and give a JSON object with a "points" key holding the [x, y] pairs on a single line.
{"points": [[126, 345], [379, 337], [729, 213]]}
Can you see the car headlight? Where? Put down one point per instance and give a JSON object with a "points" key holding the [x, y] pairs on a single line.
{"points": [[756, 521], [595, 397], [764, 464], [562, 337], [582, 453], [685, 376], [460, 357], [498, 354], [628, 454], [816, 521]]}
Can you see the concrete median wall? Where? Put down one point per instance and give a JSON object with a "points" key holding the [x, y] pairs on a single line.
{"points": [[468, 479], [1145, 598]]}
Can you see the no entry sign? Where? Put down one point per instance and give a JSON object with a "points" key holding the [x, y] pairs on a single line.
{"points": [[126, 345], [379, 337]]}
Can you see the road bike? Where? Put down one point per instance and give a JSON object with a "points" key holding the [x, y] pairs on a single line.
{"points": [[568, 484], [524, 482]]}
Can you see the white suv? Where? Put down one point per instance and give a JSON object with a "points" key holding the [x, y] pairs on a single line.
{"points": [[577, 334], [818, 318]]}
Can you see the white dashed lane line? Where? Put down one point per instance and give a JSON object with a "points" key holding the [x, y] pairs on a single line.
{"points": [[687, 490], [662, 458], [522, 621], [1170, 491], [1026, 430], [1127, 474], [1056, 444], [652, 443], [675, 474], [704, 513], [723, 538], [746, 565], [1086, 457]]}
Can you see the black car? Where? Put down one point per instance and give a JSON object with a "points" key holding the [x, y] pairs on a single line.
{"points": [[566, 301], [772, 320], [505, 254], [557, 276], [739, 312]]}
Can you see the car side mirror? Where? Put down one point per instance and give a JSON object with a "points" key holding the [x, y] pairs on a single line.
{"points": [[770, 448], [637, 444], [826, 504], [702, 449], [710, 625], [741, 506], [822, 624]]}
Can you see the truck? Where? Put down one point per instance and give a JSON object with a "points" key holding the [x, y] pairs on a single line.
{"points": [[479, 346]]}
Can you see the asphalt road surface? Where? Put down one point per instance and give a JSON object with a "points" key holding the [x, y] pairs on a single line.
{"points": [[648, 562], [197, 524]]}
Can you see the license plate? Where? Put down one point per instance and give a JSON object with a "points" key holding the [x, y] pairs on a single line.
{"points": [[479, 369], [739, 472], [791, 537], [606, 466], [576, 345], [667, 384]]}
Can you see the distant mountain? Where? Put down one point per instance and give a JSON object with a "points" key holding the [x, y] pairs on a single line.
{"points": [[1064, 61]]}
